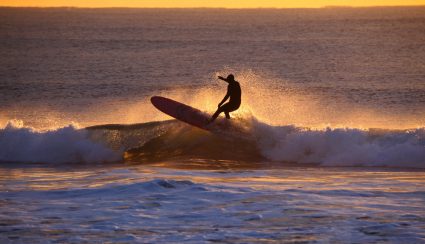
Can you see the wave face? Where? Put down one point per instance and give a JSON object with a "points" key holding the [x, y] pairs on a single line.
{"points": [[343, 147], [290, 144], [65, 145], [171, 141]]}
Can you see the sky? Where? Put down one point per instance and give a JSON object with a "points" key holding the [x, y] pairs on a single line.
{"points": [[207, 3]]}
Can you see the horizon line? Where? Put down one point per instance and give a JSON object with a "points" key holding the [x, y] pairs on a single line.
{"points": [[123, 7]]}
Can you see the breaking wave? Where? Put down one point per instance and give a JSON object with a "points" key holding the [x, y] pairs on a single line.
{"points": [[171, 141], [343, 146], [64, 145], [291, 144]]}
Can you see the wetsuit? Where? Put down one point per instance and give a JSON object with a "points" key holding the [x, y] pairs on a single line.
{"points": [[234, 92]]}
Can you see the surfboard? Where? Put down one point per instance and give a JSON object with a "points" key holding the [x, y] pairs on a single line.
{"points": [[182, 112], [198, 118]]}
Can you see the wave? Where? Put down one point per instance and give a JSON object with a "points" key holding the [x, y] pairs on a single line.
{"points": [[290, 144], [343, 146], [173, 141], [64, 145]]}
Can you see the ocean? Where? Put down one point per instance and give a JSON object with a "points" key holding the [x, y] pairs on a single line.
{"points": [[333, 110]]}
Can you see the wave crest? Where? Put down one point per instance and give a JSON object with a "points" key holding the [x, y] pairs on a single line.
{"points": [[290, 144], [64, 145], [343, 146], [173, 141]]}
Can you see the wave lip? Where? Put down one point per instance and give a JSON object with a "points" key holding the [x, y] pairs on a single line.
{"points": [[343, 146], [64, 145]]}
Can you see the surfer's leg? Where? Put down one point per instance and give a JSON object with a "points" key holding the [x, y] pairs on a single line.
{"points": [[229, 107], [226, 108], [216, 114]]}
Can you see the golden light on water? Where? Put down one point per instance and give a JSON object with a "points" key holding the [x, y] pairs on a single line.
{"points": [[208, 4], [272, 106], [45, 178]]}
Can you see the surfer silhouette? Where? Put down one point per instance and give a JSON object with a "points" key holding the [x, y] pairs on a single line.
{"points": [[234, 93]]}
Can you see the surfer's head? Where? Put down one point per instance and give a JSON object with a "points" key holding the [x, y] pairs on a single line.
{"points": [[230, 78]]}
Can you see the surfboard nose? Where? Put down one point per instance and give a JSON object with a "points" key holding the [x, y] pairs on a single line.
{"points": [[155, 99]]}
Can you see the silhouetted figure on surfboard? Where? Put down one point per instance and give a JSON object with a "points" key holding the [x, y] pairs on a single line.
{"points": [[234, 93]]}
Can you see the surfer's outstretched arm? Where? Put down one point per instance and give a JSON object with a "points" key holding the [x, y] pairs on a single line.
{"points": [[222, 78]]}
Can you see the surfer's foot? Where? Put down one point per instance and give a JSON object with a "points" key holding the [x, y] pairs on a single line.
{"points": [[209, 121]]}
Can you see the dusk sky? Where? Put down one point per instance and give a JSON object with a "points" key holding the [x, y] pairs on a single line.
{"points": [[210, 4]]}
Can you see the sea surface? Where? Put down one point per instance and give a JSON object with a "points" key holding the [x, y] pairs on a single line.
{"points": [[332, 115]]}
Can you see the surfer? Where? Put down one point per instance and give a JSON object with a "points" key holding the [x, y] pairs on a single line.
{"points": [[234, 93]]}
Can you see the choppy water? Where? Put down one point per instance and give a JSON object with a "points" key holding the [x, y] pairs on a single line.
{"points": [[150, 204], [332, 106]]}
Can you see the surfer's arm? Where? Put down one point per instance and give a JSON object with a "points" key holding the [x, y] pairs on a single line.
{"points": [[222, 78], [224, 99]]}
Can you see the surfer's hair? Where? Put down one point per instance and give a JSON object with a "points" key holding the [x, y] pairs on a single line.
{"points": [[230, 77]]}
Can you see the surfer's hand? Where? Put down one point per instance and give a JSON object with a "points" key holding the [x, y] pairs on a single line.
{"points": [[221, 77]]}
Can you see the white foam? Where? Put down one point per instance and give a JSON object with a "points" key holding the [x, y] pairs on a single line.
{"points": [[342, 146], [68, 144]]}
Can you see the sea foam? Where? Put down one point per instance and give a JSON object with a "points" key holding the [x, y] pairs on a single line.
{"points": [[342, 146], [325, 147], [68, 144]]}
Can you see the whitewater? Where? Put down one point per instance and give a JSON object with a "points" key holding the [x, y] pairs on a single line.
{"points": [[171, 139], [330, 146]]}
